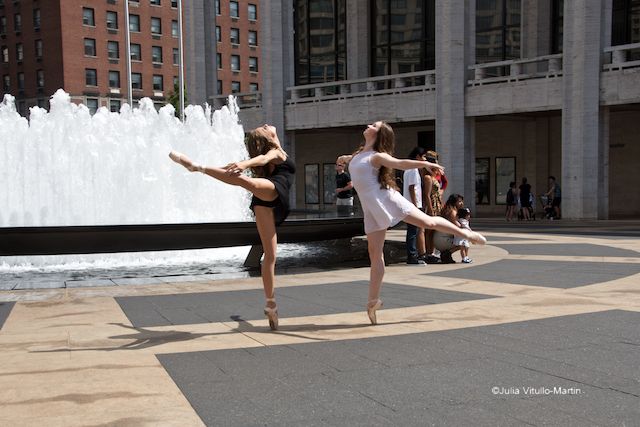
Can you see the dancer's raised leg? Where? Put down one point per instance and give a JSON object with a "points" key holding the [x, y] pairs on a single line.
{"points": [[260, 187], [375, 243], [269, 239], [420, 219]]}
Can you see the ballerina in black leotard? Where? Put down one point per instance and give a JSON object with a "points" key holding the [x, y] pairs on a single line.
{"points": [[274, 172]]}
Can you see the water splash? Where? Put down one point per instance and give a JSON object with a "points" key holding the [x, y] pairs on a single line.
{"points": [[67, 167]]}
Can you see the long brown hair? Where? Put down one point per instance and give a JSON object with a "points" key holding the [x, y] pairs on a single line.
{"points": [[259, 143], [385, 143]]}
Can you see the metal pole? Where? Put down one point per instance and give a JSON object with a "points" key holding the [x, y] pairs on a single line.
{"points": [[128, 52], [181, 65]]}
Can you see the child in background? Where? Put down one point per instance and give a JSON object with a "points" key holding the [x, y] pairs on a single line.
{"points": [[464, 215]]}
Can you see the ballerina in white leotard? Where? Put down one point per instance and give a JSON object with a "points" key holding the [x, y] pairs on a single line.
{"points": [[383, 206]]}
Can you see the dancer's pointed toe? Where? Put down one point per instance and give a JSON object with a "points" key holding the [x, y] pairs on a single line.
{"points": [[372, 307], [272, 315]]}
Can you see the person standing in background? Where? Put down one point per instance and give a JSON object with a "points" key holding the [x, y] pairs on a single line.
{"points": [[412, 191], [344, 190], [525, 202]]}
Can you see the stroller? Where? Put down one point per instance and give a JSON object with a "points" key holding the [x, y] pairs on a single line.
{"points": [[549, 212]]}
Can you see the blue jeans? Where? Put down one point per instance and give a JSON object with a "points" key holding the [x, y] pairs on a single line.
{"points": [[412, 236]]}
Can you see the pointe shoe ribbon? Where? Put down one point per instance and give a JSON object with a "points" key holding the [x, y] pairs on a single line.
{"points": [[371, 310]]}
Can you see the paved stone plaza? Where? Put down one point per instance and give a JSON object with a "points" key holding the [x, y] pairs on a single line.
{"points": [[542, 329]]}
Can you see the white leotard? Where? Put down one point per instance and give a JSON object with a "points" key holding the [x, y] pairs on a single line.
{"points": [[383, 208]]}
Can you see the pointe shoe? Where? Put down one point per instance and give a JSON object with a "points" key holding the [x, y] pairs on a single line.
{"points": [[477, 238], [371, 310], [272, 315], [180, 159]]}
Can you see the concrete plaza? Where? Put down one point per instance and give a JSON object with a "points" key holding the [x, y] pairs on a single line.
{"points": [[542, 329]]}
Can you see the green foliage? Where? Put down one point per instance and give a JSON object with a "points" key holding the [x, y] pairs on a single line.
{"points": [[174, 98]]}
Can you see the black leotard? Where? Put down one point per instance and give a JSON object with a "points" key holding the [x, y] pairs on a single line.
{"points": [[282, 178]]}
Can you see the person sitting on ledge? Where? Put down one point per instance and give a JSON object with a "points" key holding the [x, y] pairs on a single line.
{"points": [[273, 172]]}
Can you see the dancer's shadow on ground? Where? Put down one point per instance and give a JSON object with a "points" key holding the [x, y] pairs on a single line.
{"points": [[144, 338]]}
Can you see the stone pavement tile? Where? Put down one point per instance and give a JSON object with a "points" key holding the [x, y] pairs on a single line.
{"points": [[130, 281], [7, 285], [40, 284], [193, 368], [5, 310], [567, 249], [554, 274], [89, 283]]}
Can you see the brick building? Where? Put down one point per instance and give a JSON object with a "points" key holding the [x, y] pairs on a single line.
{"points": [[80, 46]]}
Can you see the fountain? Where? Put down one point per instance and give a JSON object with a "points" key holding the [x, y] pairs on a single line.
{"points": [[66, 167]]}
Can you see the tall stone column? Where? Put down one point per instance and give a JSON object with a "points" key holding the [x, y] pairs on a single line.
{"points": [[199, 47], [455, 134], [584, 124], [276, 33], [358, 39]]}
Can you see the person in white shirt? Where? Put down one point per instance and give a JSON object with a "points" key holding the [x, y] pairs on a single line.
{"points": [[412, 191]]}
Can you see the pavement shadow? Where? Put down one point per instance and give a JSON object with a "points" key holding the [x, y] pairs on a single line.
{"points": [[144, 338]]}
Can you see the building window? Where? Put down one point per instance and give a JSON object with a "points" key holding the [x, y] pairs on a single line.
{"points": [[403, 37], [176, 56], [235, 63], [92, 105], [175, 30], [235, 36], [6, 83], [156, 26], [114, 105], [235, 87], [253, 38], [36, 19], [497, 33], [134, 23], [17, 22], [3, 25], [38, 47], [253, 87], [136, 80], [113, 49], [112, 20], [42, 103], [218, 86], [88, 17], [625, 26], [156, 54], [90, 47], [136, 52], [21, 82], [252, 12], [253, 64], [320, 40], [217, 4], [19, 52], [40, 79], [218, 61], [5, 54], [234, 10], [91, 77], [155, 3], [114, 79], [174, 4], [218, 34], [158, 83]]}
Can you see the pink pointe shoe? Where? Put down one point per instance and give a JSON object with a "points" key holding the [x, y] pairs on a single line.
{"points": [[183, 160], [372, 307], [272, 314]]}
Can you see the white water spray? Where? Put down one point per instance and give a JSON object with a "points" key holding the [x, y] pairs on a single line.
{"points": [[66, 167]]}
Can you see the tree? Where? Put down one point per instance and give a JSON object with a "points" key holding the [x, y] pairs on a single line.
{"points": [[174, 98]]}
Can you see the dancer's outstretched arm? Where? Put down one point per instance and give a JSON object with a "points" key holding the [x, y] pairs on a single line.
{"points": [[384, 159], [275, 155]]}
